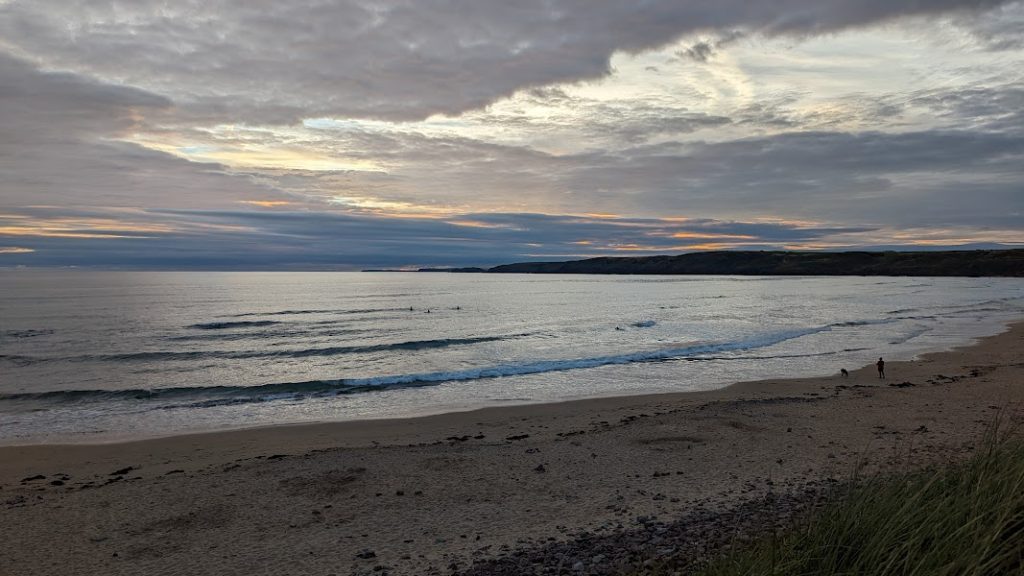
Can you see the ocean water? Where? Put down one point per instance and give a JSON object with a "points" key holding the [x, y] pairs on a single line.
{"points": [[91, 356]]}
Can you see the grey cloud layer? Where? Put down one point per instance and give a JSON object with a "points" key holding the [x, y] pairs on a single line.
{"points": [[827, 175], [59, 145], [285, 239], [279, 61], [45, 106], [969, 175], [338, 240], [79, 79]]}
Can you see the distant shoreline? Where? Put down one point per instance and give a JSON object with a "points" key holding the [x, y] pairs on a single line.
{"points": [[948, 263]]}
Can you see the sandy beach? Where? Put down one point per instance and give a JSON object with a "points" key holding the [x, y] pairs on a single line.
{"points": [[433, 495]]}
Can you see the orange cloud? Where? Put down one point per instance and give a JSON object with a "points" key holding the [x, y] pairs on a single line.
{"points": [[710, 236], [267, 203], [15, 250], [710, 246], [815, 246], [392, 208], [679, 248], [101, 228], [51, 233], [479, 224]]}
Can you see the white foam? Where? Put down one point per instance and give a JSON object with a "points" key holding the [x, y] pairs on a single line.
{"points": [[583, 363]]}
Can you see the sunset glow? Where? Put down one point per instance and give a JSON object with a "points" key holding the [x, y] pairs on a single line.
{"points": [[696, 128]]}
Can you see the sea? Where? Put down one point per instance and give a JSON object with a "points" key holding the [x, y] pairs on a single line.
{"points": [[99, 356]]}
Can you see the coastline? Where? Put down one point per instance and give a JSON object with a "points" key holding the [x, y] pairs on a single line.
{"points": [[440, 411], [450, 488]]}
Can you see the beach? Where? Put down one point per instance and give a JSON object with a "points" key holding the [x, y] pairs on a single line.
{"points": [[367, 288], [433, 495]]}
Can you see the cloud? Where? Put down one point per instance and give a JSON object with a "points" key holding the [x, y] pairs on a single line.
{"points": [[401, 60], [282, 238], [867, 177], [61, 143], [939, 175], [1000, 29], [260, 134], [45, 106], [704, 50], [994, 108]]}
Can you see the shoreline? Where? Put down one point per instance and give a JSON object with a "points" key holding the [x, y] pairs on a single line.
{"points": [[433, 494], [107, 439]]}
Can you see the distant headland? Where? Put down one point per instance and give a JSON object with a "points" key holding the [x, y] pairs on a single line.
{"points": [[1006, 263], [466, 269]]}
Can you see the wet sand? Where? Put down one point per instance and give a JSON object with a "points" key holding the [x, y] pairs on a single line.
{"points": [[434, 494]]}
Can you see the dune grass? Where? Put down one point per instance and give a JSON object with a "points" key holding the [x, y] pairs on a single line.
{"points": [[962, 519]]}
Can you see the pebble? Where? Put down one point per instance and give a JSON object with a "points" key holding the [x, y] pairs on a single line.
{"points": [[678, 546]]}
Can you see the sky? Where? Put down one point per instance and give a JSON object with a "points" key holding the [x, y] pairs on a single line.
{"points": [[349, 134]]}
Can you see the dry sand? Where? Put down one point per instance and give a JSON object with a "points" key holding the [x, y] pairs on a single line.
{"points": [[430, 495]]}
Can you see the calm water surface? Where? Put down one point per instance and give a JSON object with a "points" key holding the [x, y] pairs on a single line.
{"points": [[93, 356]]}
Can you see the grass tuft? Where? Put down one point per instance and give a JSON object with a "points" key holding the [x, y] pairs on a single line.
{"points": [[963, 519]]}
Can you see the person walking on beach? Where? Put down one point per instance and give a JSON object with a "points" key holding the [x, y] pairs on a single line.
{"points": [[881, 368]]}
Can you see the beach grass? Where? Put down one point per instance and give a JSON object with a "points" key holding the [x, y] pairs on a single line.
{"points": [[961, 519]]}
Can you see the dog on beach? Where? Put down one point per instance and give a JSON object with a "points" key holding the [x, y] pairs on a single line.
{"points": [[844, 372]]}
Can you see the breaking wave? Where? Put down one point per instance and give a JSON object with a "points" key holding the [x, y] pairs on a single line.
{"points": [[317, 311], [26, 333], [227, 325], [208, 396], [179, 355]]}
